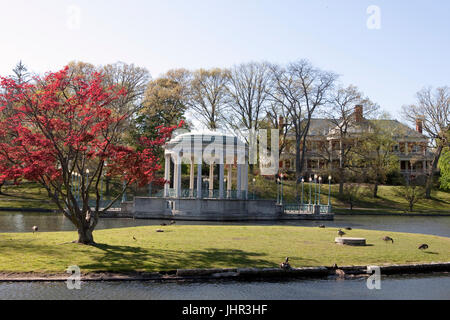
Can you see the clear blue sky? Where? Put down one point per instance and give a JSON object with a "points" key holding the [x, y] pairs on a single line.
{"points": [[410, 51]]}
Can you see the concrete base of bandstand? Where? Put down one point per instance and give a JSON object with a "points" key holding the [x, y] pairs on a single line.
{"points": [[212, 210]]}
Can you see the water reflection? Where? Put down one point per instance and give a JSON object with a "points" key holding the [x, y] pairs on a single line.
{"points": [[394, 287], [440, 226]]}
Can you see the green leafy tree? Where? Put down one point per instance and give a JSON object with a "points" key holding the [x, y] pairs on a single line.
{"points": [[433, 108], [412, 192], [341, 113], [375, 153], [164, 104], [444, 166]]}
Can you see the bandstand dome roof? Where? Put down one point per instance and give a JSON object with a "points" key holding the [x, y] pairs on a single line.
{"points": [[190, 143]]}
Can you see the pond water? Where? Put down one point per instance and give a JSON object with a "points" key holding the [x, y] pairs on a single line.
{"points": [[23, 222], [422, 287], [435, 286]]}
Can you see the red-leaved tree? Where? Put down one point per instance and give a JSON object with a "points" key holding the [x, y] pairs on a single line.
{"points": [[60, 125]]}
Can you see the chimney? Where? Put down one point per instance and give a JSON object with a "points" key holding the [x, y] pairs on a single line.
{"points": [[359, 113], [419, 125]]}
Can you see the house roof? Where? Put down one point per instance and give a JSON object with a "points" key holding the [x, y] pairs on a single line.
{"points": [[323, 127]]}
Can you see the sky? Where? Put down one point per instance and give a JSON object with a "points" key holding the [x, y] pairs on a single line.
{"points": [[389, 51]]}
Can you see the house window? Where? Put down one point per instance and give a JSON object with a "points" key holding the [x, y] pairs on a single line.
{"points": [[396, 148]]}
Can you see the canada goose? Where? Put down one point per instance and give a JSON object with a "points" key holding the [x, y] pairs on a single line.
{"points": [[423, 247], [159, 230], [322, 226], [349, 229], [341, 233], [340, 273], [387, 239], [163, 224], [35, 229], [172, 222], [285, 265]]}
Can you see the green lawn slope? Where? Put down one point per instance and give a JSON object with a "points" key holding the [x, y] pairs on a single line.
{"points": [[210, 247]]}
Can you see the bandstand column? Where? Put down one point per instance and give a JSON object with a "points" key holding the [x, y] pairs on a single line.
{"points": [[239, 181], [245, 181], [211, 179], [229, 180], [191, 180], [199, 178], [167, 175], [174, 178], [221, 178], [178, 176]]}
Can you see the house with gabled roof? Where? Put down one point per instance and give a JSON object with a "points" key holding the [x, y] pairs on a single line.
{"points": [[323, 145]]}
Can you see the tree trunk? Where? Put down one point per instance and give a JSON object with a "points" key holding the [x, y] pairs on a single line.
{"points": [[432, 170], [375, 190], [85, 236], [429, 186], [86, 226], [341, 168], [251, 168], [298, 165]]}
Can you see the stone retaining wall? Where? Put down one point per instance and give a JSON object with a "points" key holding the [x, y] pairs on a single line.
{"points": [[232, 273]]}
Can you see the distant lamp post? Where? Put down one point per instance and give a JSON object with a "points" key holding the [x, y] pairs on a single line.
{"points": [[281, 176], [124, 195], [79, 185], [101, 188], [101, 182], [87, 184], [303, 185], [72, 187], [329, 190], [315, 189], [278, 189], [320, 184], [206, 186], [87, 177], [310, 180], [253, 187], [75, 187], [225, 181]]}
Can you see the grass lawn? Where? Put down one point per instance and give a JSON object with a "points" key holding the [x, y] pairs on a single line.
{"points": [[31, 195], [210, 247], [25, 196], [387, 201]]}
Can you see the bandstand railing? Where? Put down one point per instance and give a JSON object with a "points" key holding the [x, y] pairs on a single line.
{"points": [[305, 208], [206, 194]]}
